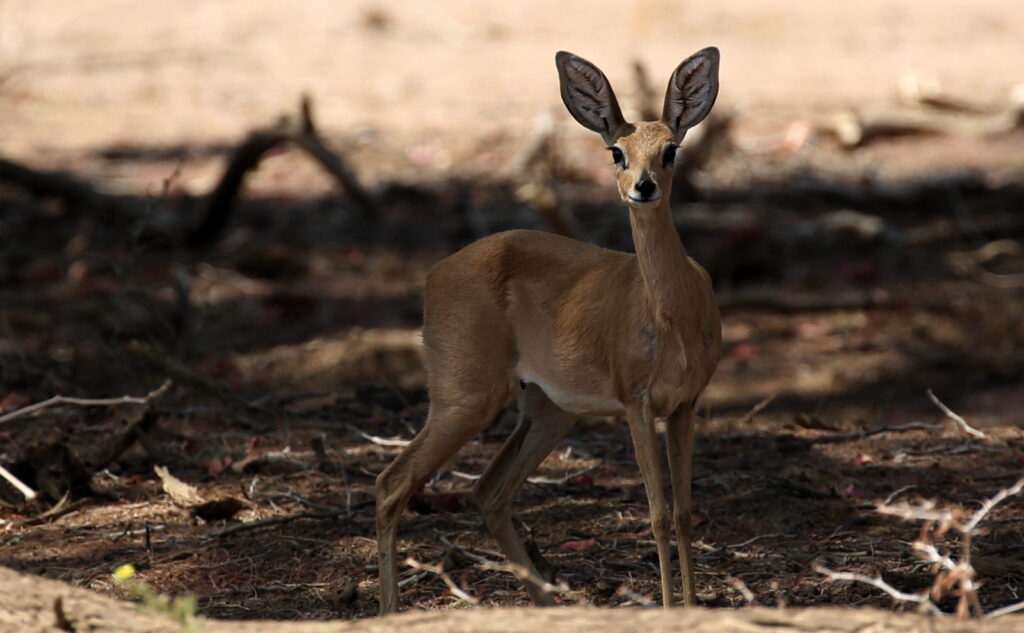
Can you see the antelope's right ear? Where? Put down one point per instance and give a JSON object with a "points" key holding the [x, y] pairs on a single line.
{"points": [[588, 96]]}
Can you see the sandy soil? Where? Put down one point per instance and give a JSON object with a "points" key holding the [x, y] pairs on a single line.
{"points": [[83, 76]]}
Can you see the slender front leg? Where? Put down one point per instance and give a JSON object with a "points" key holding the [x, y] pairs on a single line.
{"points": [[680, 463], [645, 443]]}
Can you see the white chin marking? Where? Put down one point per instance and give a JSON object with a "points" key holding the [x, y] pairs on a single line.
{"points": [[633, 202]]}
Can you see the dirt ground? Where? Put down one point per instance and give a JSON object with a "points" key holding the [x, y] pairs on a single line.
{"points": [[850, 282]]}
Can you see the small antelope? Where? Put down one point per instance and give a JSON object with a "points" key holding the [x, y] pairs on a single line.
{"points": [[584, 329]]}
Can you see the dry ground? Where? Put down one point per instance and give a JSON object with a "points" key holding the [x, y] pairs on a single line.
{"points": [[301, 324]]}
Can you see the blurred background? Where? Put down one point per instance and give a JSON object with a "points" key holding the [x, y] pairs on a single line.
{"points": [[856, 196]]}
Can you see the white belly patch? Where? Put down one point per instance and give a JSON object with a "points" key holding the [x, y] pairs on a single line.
{"points": [[578, 403]]}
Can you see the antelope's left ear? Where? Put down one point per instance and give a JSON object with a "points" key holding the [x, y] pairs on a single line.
{"points": [[691, 91]]}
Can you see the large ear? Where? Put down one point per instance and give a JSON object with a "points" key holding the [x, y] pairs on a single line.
{"points": [[691, 91], [588, 95]]}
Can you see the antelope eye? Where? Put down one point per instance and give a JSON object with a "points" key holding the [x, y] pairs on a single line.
{"points": [[617, 157], [669, 156]]}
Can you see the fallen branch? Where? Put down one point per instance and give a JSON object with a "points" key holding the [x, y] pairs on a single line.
{"points": [[646, 98], [918, 598], [62, 507], [971, 264], [380, 441], [540, 481], [918, 91], [54, 184], [523, 574], [859, 435], [962, 423], [857, 128], [757, 408], [952, 575], [288, 518], [301, 133], [438, 570], [25, 491], [87, 402], [536, 167]]}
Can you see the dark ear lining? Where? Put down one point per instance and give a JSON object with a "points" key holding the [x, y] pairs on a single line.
{"points": [[588, 95], [691, 91]]}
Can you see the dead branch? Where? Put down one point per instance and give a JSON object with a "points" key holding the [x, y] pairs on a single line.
{"points": [[757, 408], [536, 167], [992, 502], [702, 143], [540, 481], [523, 574], [380, 441], [857, 128], [58, 467], [53, 184], [62, 507], [962, 423], [288, 518], [859, 435], [918, 91], [917, 598], [300, 132], [952, 575], [25, 491], [87, 402], [438, 570], [646, 98], [1012, 608], [537, 146], [971, 264]]}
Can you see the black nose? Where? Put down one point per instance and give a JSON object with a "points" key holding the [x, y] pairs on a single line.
{"points": [[646, 188]]}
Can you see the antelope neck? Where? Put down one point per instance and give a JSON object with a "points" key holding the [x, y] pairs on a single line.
{"points": [[664, 265]]}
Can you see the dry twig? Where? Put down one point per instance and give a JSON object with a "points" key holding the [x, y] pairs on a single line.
{"points": [[953, 575], [523, 574], [288, 518], [301, 133], [72, 191], [757, 408], [918, 598], [971, 264], [86, 402], [439, 571], [25, 491], [859, 435], [380, 441], [967, 428]]}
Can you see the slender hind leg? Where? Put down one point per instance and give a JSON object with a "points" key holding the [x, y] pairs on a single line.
{"points": [[541, 426], [680, 461], [451, 423]]}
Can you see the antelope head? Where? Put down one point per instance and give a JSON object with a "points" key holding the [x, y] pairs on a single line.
{"points": [[643, 152]]}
